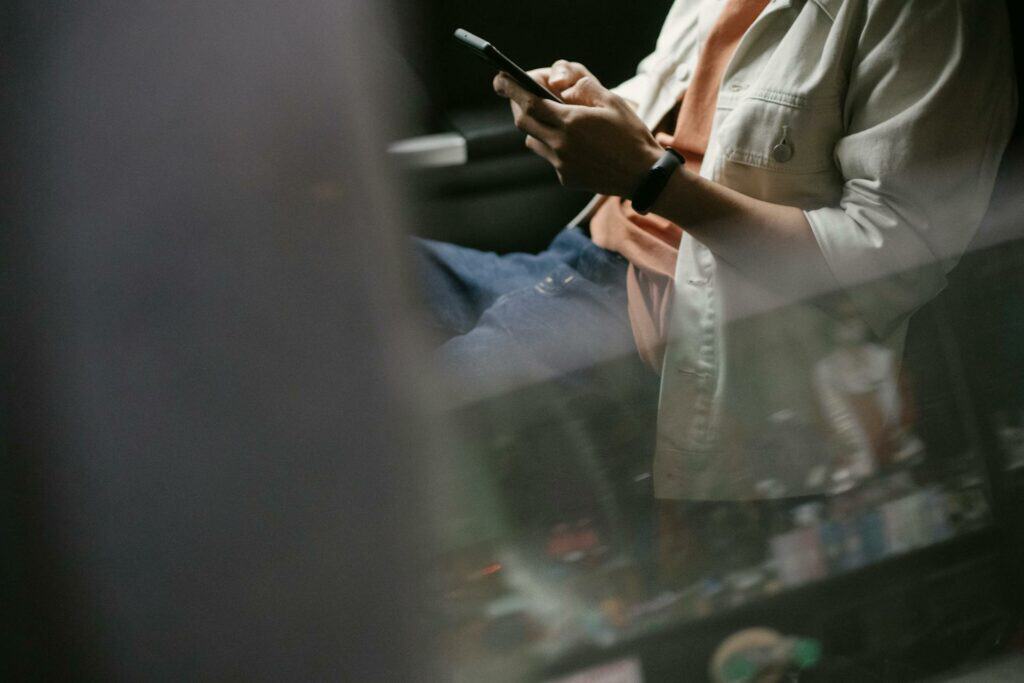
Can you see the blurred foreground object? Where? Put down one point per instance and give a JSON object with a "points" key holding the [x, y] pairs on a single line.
{"points": [[762, 655], [209, 418]]}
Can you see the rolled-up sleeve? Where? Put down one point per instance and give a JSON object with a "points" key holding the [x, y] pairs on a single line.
{"points": [[929, 108]]}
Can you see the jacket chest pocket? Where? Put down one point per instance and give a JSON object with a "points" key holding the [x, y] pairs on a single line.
{"points": [[782, 132]]}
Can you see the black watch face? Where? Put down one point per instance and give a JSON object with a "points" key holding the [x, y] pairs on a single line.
{"points": [[651, 188]]}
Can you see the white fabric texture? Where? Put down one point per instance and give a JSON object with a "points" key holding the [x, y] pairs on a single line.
{"points": [[895, 114]]}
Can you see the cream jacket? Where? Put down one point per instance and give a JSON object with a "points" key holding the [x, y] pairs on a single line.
{"points": [[885, 121]]}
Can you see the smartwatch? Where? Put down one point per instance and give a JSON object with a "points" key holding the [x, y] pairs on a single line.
{"points": [[650, 187]]}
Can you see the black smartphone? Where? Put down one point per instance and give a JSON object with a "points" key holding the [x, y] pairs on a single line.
{"points": [[493, 56]]}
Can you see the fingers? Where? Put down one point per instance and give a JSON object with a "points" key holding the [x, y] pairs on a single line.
{"points": [[542, 76], [564, 74], [663, 139], [533, 126], [546, 153], [587, 91], [545, 111], [542, 150]]}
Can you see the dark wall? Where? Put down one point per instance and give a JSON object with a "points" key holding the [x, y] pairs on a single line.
{"points": [[609, 36]]}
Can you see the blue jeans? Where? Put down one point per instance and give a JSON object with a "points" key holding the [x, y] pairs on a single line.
{"points": [[524, 319]]}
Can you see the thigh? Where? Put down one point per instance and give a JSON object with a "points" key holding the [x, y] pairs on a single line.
{"points": [[560, 328], [459, 284]]}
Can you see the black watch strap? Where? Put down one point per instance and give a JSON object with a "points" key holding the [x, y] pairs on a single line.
{"points": [[649, 189]]}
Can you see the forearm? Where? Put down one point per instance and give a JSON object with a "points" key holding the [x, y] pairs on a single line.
{"points": [[596, 141], [770, 243]]}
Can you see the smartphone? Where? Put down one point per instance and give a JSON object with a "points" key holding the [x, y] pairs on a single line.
{"points": [[493, 56]]}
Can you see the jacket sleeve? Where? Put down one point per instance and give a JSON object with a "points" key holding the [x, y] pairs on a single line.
{"points": [[930, 105]]}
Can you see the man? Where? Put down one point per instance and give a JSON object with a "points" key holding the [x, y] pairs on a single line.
{"points": [[823, 154]]}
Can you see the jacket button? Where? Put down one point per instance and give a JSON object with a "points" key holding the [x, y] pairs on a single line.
{"points": [[783, 151]]}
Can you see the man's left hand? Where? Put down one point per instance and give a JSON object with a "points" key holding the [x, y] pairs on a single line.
{"points": [[595, 141]]}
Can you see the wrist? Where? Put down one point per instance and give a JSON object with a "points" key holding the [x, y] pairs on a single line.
{"points": [[648, 156], [678, 192], [651, 185], [639, 164]]}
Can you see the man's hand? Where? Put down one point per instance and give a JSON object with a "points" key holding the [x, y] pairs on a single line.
{"points": [[560, 76], [594, 141]]}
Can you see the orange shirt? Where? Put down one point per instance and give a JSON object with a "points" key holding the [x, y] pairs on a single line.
{"points": [[651, 243]]}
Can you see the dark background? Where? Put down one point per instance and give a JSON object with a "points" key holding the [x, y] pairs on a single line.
{"points": [[609, 37]]}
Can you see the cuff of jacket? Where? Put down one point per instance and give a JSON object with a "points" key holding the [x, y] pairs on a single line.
{"points": [[884, 280]]}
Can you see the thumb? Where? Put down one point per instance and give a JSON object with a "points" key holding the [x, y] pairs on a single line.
{"points": [[587, 91]]}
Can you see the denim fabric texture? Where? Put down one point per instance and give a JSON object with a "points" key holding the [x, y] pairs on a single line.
{"points": [[509, 321]]}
